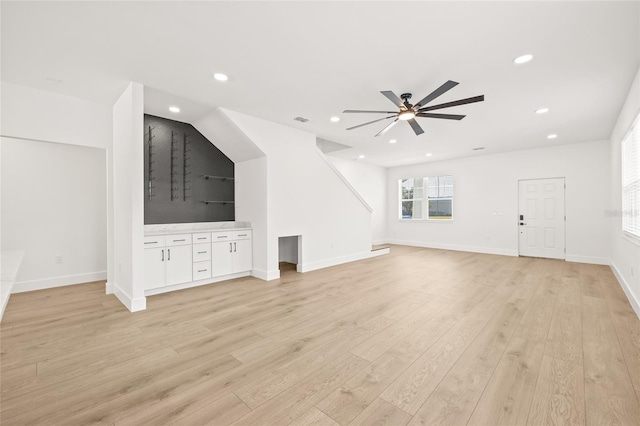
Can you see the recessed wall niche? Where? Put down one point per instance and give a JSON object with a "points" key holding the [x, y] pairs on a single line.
{"points": [[187, 179]]}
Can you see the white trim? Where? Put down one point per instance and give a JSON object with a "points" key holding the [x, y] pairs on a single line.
{"points": [[635, 303], [455, 247], [133, 305], [170, 288], [22, 286], [5, 300], [265, 275], [587, 259], [344, 180], [108, 288], [307, 267]]}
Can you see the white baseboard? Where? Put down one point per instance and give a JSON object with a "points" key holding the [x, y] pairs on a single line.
{"points": [[108, 288], [133, 305], [265, 275], [455, 247], [22, 286], [635, 303], [587, 259], [307, 267]]}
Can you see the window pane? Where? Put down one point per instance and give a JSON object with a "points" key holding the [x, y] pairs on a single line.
{"points": [[407, 209], [440, 209], [407, 189]]}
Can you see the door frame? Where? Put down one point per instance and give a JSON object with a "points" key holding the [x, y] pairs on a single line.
{"points": [[564, 208]]}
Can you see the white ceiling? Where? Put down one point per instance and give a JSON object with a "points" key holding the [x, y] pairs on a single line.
{"points": [[315, 59]]}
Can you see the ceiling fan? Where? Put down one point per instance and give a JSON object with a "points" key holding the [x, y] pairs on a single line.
{"points": [[409, 112]]}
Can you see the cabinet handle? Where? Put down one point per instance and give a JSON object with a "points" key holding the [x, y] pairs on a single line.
{"points": [[202, 270], [202, 238], [169, 254], [162, 256], [151, 242], [175, 241], [234, 247], [222, 236], [242, 235], [201, 252]]}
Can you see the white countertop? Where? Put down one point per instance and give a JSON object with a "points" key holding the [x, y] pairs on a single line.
{"points": [[182, 228]]}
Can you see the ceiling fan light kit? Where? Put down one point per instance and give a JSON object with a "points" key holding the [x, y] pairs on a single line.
{"points": [[408, 112]]}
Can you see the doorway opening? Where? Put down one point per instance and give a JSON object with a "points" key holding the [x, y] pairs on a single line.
{"points": [[541, 218], [289, 253]]}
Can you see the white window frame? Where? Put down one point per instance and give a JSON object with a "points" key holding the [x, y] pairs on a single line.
{"points": [[630, 171], [425, 200]]}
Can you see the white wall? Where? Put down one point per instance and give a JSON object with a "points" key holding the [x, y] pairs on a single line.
{"points": [[625, 254], [370, 182], [39, 115], [54, 204], [126, 279], [251, 206], [306, 197], [486, 200]]}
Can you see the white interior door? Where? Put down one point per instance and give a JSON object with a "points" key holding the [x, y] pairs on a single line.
{"points": [[542, 218]]}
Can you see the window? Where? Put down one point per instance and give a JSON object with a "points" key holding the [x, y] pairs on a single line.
{"points": [[631, 181], [426, 198]]}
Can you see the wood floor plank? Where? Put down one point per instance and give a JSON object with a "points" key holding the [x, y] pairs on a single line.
{"points": [[456, 396], [413, 387], [507, 397], [469, 330], [608, 387], [314, 417], [559, 395], [380, 413], [565, 333]]}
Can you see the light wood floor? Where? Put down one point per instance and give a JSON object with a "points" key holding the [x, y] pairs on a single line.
{"points": [[417, 336]]}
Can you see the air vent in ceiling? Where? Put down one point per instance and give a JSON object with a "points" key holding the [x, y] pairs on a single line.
{"points": [[301, 119], [479, 148]]}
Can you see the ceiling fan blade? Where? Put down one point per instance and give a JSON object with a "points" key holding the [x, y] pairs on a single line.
{"points": [[393, 98], [439, 91], [383, 131], [445, 116], [415, 126], [363, 111], [454, 103], [371, 122]]}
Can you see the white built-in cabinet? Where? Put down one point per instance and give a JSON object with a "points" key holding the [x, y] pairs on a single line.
{"points": [[181, 259]]}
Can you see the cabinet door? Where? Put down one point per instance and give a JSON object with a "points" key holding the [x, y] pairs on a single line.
{"points": [[221, 258], [154, 262], [242, 256], [179, 264]]}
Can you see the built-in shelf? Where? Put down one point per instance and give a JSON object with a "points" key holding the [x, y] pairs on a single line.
{"points": [[218, 202], [222, 178]]}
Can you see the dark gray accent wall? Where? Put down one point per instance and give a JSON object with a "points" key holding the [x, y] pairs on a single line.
{"points": [[187, 179]]}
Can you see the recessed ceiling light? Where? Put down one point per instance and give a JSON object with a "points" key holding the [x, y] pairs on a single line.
{"points": [[542, 110], [392, 141], [552, 136], [429, 154], [334, 119], [220, 77], [360, 156], [174, 109], [523, 59]]}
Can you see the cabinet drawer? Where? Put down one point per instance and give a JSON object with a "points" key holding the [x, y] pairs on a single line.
{"points": [[221, 236], [157, 241], [178, 240], [202, 237], [242, 235], [201, 252], [201, 270]]}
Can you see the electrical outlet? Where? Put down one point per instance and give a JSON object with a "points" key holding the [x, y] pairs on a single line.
{"points": [[59, 258]]}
